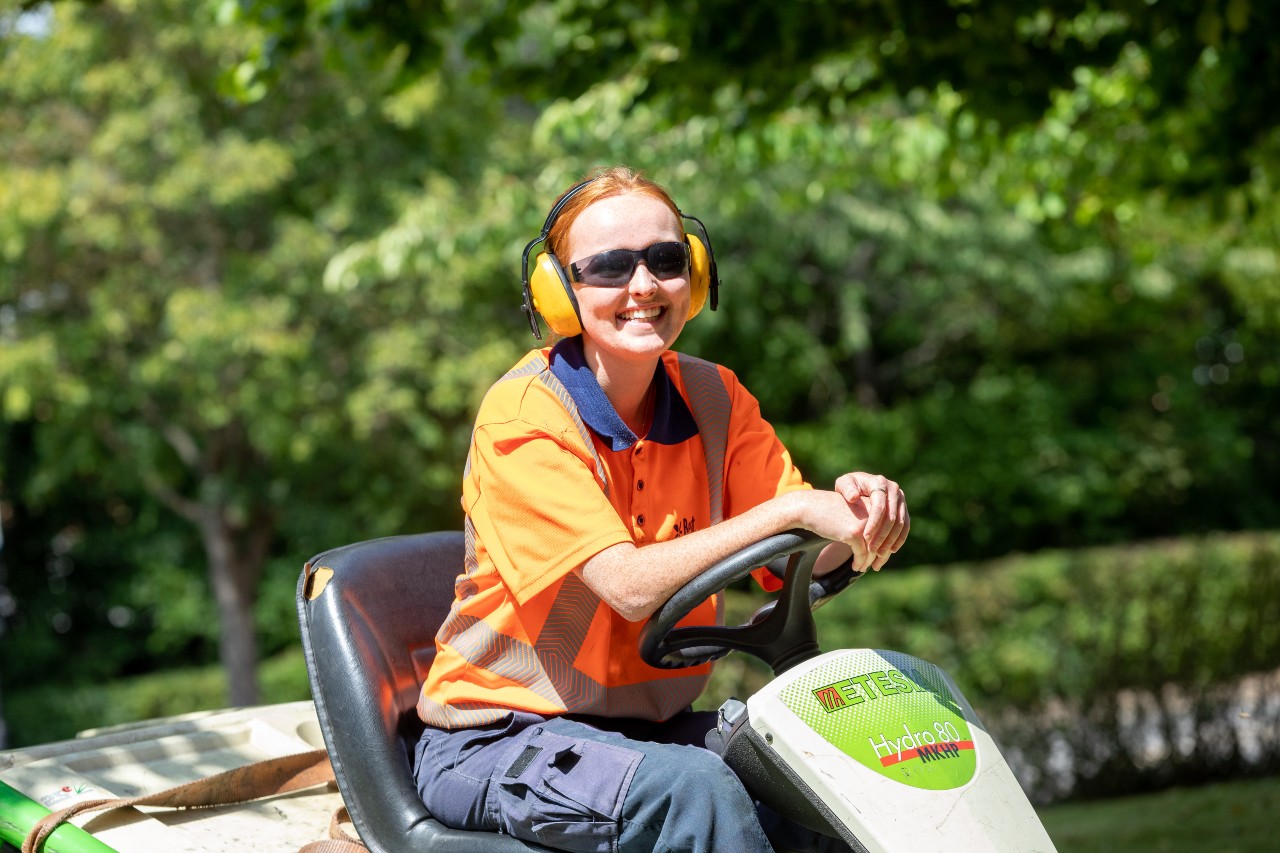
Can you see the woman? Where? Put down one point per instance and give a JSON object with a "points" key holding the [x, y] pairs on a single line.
{"points": [[597, 473]]}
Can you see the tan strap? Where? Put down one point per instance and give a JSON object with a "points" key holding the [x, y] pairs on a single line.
{"points": [[339, 840], [240, 785]]}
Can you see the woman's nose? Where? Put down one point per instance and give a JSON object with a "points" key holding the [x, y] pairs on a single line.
{"points": [[642, 281]]}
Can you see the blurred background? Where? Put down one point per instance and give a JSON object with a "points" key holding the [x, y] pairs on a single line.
{"points": [[259, 260]]}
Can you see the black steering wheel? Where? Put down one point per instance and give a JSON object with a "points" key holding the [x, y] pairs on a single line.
{"points": [[781, 633]]}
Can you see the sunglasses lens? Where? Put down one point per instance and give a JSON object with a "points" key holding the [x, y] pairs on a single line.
{"points": [[667, 260], [609, 268]]}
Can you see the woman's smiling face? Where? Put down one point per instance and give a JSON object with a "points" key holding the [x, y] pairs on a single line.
{"points": [[642, 319]]}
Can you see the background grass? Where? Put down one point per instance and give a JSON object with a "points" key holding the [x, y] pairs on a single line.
{"points": [[1233, 817]]}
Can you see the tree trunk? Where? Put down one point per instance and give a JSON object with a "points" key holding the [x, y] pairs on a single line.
{"points": [[236, 557], [235, 549]]}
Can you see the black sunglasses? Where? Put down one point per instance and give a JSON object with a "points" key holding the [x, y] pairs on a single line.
{"points": [[615, 267]]}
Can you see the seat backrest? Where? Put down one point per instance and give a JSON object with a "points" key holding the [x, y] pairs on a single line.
{"points": [[368, 614]]}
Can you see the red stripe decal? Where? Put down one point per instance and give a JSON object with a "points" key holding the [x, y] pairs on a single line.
{"points": [[908, 754]]}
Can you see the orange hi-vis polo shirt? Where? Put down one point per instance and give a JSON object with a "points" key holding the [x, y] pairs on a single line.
{"points": [[554, 477]]}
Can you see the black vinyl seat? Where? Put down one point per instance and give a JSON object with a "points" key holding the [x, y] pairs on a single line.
{"points": [[369, 613]]}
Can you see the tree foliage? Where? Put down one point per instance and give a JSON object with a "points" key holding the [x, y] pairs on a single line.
{"points": [[167, 333], [1007, 61]]}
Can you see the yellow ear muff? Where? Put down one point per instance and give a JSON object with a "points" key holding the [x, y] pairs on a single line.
{"points": [[553, 296], [699, 273]]}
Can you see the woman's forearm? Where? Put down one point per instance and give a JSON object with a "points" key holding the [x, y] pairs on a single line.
{"points": [[635, 581]]}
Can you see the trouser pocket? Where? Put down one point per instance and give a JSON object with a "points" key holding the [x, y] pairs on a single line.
{"points": [[565, 792], [453, 772]]}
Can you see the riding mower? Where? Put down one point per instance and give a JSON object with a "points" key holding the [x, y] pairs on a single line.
{"points": [[875, 748]]}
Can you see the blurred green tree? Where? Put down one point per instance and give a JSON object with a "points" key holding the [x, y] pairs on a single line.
{"points": [[1006, 61], [166, 331]]}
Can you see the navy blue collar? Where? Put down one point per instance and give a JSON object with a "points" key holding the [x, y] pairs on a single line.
{"points": [[672, 420]]}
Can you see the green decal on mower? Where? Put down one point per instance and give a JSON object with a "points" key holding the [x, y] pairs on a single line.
{"points": [[891, 713]]}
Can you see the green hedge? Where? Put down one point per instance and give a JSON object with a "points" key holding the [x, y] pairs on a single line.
{"points": [[1083, 624]]}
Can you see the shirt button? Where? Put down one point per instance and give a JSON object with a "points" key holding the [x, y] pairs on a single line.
{"points": [[639, 448], [640, 520], [639, 485]]}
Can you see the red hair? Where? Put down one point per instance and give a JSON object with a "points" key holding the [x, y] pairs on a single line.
{"points": [[604, 183]]}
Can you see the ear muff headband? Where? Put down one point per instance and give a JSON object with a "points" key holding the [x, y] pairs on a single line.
{"points": [[548, 290]]}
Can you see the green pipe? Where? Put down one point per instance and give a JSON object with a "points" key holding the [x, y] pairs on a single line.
{"points": [[18, 813]]}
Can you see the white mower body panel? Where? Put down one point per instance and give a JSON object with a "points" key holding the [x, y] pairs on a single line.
{"points": [[893, 749]]}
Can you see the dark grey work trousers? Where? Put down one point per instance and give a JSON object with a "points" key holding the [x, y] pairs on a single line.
{"points": [[597, 786]]}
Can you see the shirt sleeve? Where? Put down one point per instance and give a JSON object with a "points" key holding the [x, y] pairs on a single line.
{"points": [[536, 506]]}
